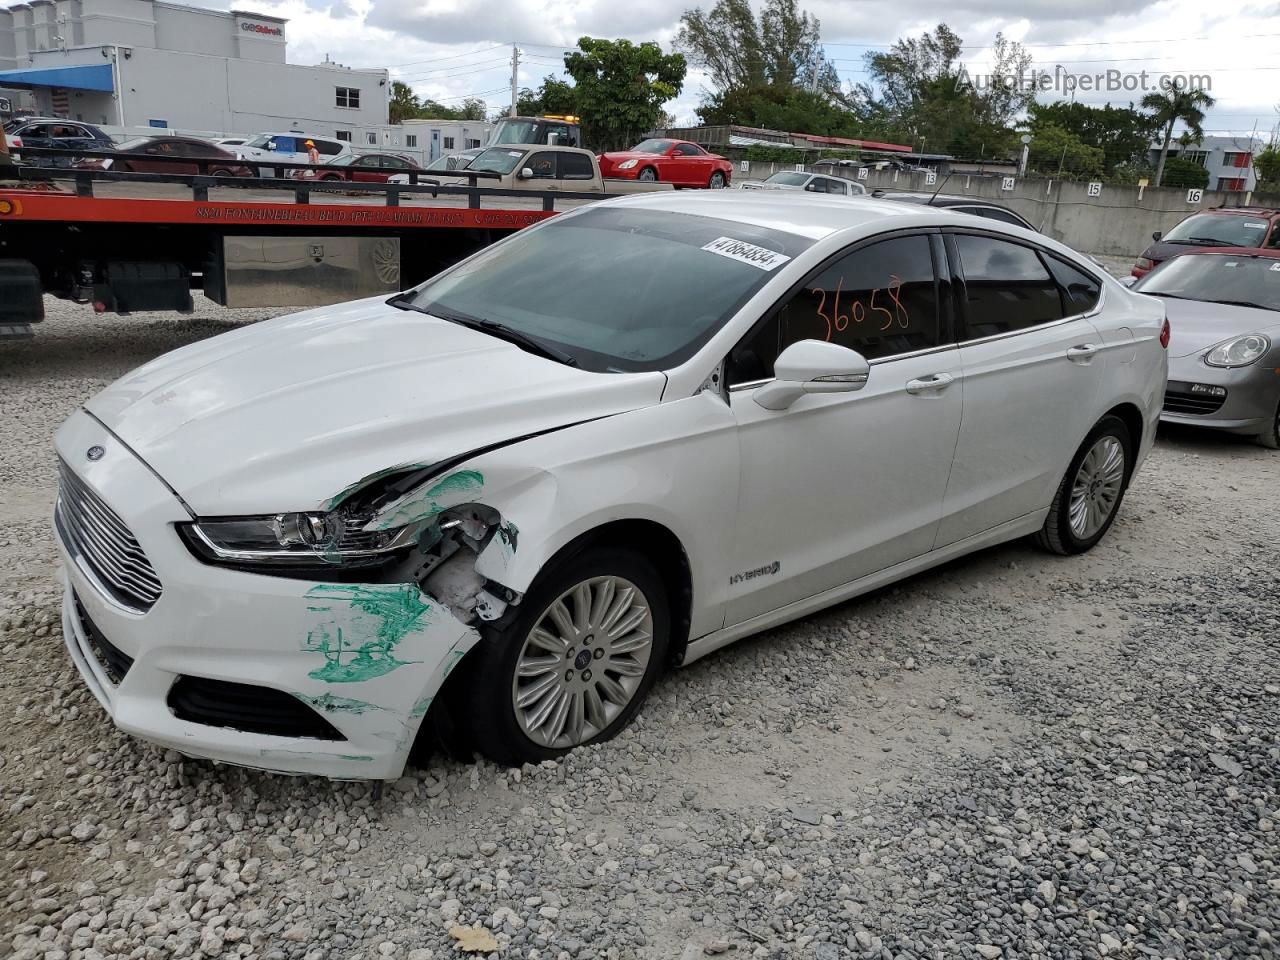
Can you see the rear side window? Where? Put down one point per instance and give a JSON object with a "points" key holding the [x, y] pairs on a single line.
{"points": [[1080, 291], [328, 148], [576, 166], [1007, 288]]}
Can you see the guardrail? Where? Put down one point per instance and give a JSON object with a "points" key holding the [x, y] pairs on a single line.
{"points": [[200, 183]]}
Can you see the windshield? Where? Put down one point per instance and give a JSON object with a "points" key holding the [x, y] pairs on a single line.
{"points": [[789, 179], [497, 160], [1217, 278], [652, 146], [515, 131], [1230, 230], [618, 290], [259, 141]]}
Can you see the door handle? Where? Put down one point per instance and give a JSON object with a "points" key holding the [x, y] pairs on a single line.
{"points": [[934, 383], [1081, 352]]}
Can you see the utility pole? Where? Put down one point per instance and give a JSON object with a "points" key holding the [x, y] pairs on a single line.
{"points": [[817, 65], [515, 77]]}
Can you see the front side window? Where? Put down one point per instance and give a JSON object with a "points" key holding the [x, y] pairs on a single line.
{"points": [[688, 150], [348, 97], [619, 289], [543, 165], [1007, 287]]}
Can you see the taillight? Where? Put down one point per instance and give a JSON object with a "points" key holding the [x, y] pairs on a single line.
{"points": [[15, 141], [1165, 333]]}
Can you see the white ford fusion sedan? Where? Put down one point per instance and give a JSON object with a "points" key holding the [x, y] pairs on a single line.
{"points": [[500, 504]]}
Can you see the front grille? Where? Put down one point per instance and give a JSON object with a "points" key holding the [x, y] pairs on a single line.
{"points": [[114, 661], [1179, 398], [96, 535], [248, 708]]}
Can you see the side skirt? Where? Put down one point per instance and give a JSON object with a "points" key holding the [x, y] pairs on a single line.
{"points": [[1010, 530]]}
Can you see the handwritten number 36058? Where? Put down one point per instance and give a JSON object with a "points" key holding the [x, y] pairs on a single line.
{"points": [[838, 322]]}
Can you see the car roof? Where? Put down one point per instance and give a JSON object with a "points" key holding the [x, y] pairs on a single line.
{"points": [[811, 215], [1268, 253]]}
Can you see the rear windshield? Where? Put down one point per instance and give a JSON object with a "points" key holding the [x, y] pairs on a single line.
{"points": [[1230, 230], [620, 290], [789, 178]]}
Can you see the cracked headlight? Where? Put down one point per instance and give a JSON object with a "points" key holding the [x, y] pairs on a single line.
{"points": [[627, 164], [311, 540], [1238, 351]]}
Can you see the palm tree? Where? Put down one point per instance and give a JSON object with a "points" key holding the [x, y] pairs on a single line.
{"points": [[1174, 105]]}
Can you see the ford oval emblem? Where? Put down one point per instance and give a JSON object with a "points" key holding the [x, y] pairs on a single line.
{"points": [[95, 452]]}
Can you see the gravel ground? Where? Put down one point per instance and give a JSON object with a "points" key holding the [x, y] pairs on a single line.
{"points": [[1015, 755]]}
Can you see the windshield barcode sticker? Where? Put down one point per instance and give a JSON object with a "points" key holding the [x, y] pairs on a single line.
{"points": [[746, 253]]}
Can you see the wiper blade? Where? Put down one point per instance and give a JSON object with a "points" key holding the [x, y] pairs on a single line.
{"points": [[1246, 303], [509, 334], [404, 301], [1203, 242]]}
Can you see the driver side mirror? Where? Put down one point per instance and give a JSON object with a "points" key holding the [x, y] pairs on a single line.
{"points": [[812, 366], [1156, 236], [811, 186], [526, 173]]}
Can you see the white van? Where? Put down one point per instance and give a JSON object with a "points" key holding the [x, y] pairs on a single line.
{"points": [[290, 147]]}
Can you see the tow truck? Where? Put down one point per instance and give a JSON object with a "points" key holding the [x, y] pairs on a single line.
{"points": [[125, 242]]}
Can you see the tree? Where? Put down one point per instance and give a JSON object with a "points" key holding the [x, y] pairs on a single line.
{"points": [[1170, 107], [1267, 166], [1123, 134], [620, 88], [1180, 172], [404, 104], [555, 96], [1057, 153], [768, 72]]}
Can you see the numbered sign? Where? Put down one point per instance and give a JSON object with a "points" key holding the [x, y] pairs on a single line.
{"points": [[745, 166], [930, 177], [799, 168], [1095, 189], [1194, 196], [862, 173], [1007, 183]]}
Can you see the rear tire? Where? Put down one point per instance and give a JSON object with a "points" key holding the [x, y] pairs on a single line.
{"points": [[648, 175], [1271, 438], [561, 673], [1090, 494]]}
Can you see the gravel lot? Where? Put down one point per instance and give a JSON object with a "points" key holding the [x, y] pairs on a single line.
{"points": [[1015, 755]]}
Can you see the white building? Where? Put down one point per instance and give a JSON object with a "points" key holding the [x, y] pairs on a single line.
{"points": [[150, 63], [1229, 160]]}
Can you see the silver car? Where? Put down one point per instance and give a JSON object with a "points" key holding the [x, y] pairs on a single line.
{"points": [[1224, 355], [813, 182]]}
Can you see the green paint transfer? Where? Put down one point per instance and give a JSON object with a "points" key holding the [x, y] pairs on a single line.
{"points": [[423, 504], [421, 707], [356, 757], [508, 534], [452, 659], [333, 502], [365, 624], [328, 703]]}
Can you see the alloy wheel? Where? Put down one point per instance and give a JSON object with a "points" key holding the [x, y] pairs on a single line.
{"points": [[1097, 487], [583, 662]]}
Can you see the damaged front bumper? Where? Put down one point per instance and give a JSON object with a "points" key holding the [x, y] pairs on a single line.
{"points": [[293, 676]]}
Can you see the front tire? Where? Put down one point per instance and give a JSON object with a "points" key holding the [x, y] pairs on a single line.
{"points": [[1089, 496], [648, 175], [576, 662], [716, 182], [1271, 438]]}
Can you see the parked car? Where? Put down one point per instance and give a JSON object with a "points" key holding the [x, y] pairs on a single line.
{"points": [[228, 142], [455, 161], [53, 133], [1255, 228], [973, 205], [612, 442], [679, 162], [388, 165], [1224, 307], [812, 182], [161, 155], [291, 148]]}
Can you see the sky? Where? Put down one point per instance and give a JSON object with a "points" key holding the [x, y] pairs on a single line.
{"points": [[450, 49]]}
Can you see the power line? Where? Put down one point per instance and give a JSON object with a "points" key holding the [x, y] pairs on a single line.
{"points": [[414, 63], [1075, 43], [447, 75]]}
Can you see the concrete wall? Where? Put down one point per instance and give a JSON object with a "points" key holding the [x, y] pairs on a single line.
{"points": [[1118, 222]]}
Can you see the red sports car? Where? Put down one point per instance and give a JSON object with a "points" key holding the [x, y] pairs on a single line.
{"points": [[672, 161]]}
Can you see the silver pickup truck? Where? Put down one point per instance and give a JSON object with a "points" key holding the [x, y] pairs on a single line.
{"points": [[543, 167]]}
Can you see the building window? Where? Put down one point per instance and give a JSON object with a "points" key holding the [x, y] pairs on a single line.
{"points": [[1196, 156], [372, 138], [344, 136], [410, 140], [1231, 184], [472, 144], [1239, 160], [348, 97], [448, 143]]}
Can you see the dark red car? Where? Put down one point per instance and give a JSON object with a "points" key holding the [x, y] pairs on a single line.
{"points": [[387, 164], [146, 155], [672, 161], [1257, 228]]}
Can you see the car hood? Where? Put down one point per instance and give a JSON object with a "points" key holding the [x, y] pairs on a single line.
{"points": [[1196, 325], [284, 415]]}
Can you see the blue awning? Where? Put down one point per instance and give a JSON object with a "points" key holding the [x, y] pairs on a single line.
{"points": [[93, 76]]}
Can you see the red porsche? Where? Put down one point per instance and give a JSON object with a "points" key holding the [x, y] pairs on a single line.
{"points": [[672, 161]]}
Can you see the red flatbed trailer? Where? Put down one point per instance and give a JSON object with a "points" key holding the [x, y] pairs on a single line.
{"points": [[126, 242]]}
